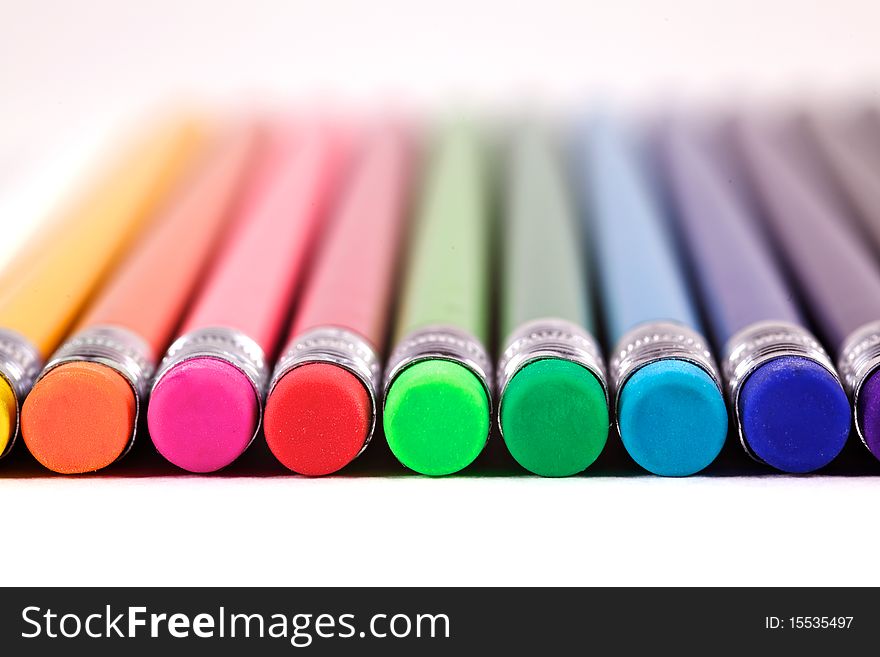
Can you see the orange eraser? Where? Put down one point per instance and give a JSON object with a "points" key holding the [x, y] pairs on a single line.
{"points": [[79, 417]]}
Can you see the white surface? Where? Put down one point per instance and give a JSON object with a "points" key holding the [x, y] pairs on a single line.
{"points": [[287, 531], [63, 62]]}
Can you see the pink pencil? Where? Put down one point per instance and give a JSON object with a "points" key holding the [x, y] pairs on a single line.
{"points": [[321, 409], [205, 407]]}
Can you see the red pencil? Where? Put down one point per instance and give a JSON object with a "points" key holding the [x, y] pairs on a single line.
{"points": [[321, 409], [206, 402]]}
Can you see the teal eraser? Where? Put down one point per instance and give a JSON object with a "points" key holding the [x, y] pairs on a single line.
{"points": [[672, 417]]}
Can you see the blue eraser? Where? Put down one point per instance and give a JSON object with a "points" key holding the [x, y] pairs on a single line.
{"points": [[672, 418], [795, 415]]}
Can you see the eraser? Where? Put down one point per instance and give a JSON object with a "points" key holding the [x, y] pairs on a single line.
{"points": [[318, 418], [672, 418], [436, 417], [203, 414], [869, 412], [795, 415], [554, 417], [79, 417], [8, 414]]}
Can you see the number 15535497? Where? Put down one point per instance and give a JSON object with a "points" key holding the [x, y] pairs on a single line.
{"points": [[808, 622]]}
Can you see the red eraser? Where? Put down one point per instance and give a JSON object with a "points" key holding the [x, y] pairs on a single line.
{"points": [[318, 418]]}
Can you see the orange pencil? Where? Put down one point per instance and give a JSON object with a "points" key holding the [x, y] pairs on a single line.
{"points": [[83, 410], [51, 280]]}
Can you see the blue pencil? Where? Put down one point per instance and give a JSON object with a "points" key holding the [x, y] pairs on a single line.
{"points": [[789, 405], [836, 272], [669, 404]]}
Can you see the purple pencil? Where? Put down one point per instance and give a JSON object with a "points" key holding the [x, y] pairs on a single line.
{"points": [[789, 405], [834, 269], [849, 149]]}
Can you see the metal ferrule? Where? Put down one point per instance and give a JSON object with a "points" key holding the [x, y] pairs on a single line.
{"points": [[226, 344], [441, 343], [117, 348], [655, 341], [20, 364], [758, 344], [550, 338], [340, 347], [222, 343], [113, 346], [859, 358]]}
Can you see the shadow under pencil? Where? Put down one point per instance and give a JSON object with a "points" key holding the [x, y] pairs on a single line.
{"points": [[377, 461]]}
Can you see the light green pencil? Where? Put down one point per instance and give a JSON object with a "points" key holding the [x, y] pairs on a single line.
{"points": [[437, 392]]}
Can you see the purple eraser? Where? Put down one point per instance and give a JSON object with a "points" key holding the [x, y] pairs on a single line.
{"points": [[869, 412]]}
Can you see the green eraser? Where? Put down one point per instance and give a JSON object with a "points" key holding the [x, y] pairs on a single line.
{"points": [[436, 417], [554, 417]]}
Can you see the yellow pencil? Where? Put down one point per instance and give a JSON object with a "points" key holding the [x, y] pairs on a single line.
{"points": [[47, 285]]}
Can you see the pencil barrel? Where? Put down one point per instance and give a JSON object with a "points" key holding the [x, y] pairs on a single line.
{"points": [[545, 273], [833, 268], [722, 240], [641, 279], [447, 279]]}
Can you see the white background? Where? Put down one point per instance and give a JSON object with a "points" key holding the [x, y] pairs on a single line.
{"points": [[70, 70]]}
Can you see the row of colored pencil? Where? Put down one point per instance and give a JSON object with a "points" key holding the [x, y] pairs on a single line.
{"points": [[699, 255]]}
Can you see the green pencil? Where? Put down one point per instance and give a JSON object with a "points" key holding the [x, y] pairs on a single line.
{"points": [[553, 413], [437, 398]]}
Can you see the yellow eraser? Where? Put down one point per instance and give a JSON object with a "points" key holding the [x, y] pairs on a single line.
{"points": [[8, 413]]}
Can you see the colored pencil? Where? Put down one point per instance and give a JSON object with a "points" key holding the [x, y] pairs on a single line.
{"points": [[834, 268], [670, 408], [322, 403], [83, 411], [206, 403], [846, 148], [437, 396], [789, 405], [553, 409], [31, 193], [60, 268]]}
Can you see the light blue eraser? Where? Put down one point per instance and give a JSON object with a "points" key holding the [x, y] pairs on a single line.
{"points": [[672, 418]]}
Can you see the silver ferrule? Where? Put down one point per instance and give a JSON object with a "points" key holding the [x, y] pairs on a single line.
{"points": [[550, 338], [859, 358], [20, 364], [340, 347], [655, 341], [441, 343], [113, 346], [226, 344], [758, 344], [117, 348]]}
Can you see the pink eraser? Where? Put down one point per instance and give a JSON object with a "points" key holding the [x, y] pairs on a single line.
{"points": [[203, 414]]}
